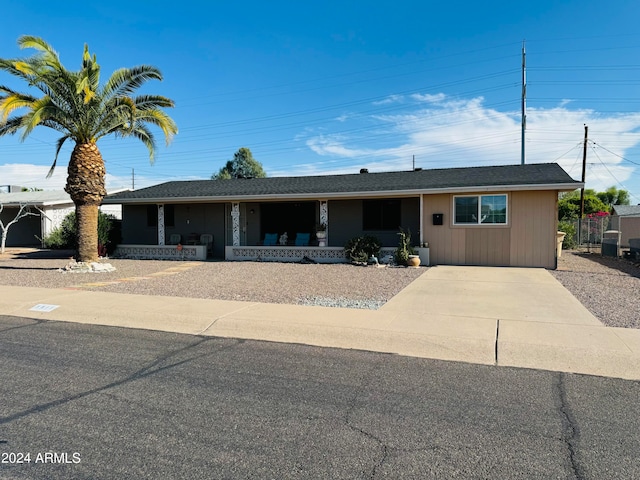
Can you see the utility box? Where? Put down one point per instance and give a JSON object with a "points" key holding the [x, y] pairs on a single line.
{"points": [[438, 218], [611, 243]]}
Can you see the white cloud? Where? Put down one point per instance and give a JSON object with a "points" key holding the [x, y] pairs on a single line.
{"points": [[32, 176], [428, 98], [454, 132], [389, 100]]}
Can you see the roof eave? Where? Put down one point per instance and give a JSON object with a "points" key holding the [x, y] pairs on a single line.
{"points": [[560, 187]]}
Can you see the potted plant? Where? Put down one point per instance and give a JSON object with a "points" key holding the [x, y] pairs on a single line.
{"points": [[321, 233]]}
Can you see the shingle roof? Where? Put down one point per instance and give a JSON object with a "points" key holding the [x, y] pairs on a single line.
{"points": [[549, 175], [627, 210], [38, 198]]}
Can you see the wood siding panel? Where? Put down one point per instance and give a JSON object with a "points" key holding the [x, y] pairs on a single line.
{"points": [[533, 229], [528, 241], [446, 245], [629, 228], [488, 246]]}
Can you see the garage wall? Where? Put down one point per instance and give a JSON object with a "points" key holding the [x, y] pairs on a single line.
{"points": [[533, 231], [528, 240]]}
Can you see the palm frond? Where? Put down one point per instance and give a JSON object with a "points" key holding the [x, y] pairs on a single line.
{"points": [[73, 102], [142, 133], [59, 145], [145, 102], [47, 53], [13, 102], [160, 119], [125, 81], [11, 126]]}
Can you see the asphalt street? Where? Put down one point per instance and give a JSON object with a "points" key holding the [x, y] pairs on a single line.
{"points": [[86, 401]]}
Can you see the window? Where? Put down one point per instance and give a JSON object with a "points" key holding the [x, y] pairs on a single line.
{"points": [[480, 209], [381, 214]]}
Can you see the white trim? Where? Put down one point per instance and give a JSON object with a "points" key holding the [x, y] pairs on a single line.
{"points": [[479, 223], [161, 252]]}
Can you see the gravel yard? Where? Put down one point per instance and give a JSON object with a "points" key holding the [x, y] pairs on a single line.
{"points": [[608, 287], [316, 284]]}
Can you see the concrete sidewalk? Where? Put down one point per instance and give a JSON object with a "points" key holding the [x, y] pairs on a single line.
{"points": [[496, 316]]}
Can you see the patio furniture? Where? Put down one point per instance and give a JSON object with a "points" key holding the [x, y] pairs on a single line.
{"points": [[302, 239], [175, 239], [193, 238], [270, 239], [207, 239]]}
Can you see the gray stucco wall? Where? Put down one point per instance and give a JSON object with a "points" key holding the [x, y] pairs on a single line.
{"points": [[188, 219], [345, 222], [198, 219], [134, 226]]}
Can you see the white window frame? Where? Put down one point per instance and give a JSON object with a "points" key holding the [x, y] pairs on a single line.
{"points": [[479, 214]]}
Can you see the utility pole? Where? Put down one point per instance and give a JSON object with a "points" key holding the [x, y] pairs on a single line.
{"points": [[584, 170], [133, 180], [524, 102]]}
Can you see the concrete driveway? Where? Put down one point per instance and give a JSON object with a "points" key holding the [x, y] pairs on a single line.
{"points": [[518, 317]]}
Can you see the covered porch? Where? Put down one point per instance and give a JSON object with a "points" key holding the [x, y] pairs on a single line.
{"points": [[276, 230]]}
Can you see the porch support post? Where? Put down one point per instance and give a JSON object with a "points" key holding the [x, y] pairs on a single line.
{"points": [[324, 214], [235, 223], [324, 218], [160, 224], [421, 219]]}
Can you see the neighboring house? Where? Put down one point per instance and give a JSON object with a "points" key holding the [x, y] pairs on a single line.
{"points": [[626, 219], [31, 230], [10, 188], [501, 215]]}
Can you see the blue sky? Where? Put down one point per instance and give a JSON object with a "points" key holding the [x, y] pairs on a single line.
{"points": [[335, 86]]}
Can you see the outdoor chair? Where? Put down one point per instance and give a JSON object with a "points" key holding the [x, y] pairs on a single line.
{"points": [[270, 239], [175, 239], [302, 239], [207, 239]]}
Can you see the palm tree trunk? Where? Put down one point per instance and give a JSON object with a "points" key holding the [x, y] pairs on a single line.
{"points": [[85, 185], [87, 231]]}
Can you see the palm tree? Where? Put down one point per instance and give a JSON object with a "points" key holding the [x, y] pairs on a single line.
{"points": [[74, 104]]}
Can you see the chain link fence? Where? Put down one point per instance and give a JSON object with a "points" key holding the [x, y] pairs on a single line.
{"points": [[587, 233]]}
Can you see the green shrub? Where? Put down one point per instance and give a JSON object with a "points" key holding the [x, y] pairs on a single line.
{"points": [[361, 249], [65, 236], [404, 249], [568, 227]]}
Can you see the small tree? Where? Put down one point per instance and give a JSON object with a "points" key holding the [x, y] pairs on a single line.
{"points": [[612, 196], [569, 204], [23, 211], [243, 165]]}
